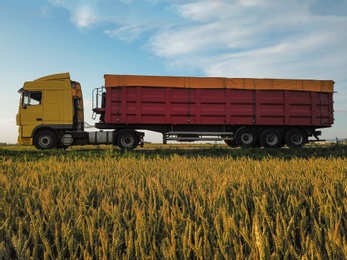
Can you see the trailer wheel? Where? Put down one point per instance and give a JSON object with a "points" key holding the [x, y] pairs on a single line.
{"points": [[45, 139], [127, 140], [296, 138], [271, 138], [246, 137]]}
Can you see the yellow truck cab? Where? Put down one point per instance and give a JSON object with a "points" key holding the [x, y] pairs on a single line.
{"points": [[49, 107]]}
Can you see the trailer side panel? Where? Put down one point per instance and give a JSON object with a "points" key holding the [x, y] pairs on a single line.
{"points": [[217, 106]]}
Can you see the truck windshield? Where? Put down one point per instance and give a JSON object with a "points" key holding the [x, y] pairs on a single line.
{"points": [[31, 98]]}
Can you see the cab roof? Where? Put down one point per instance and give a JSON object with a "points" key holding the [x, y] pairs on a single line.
{"points": [[60, 76]]}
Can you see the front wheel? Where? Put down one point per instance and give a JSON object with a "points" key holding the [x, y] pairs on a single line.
{"points": [[127, 140], [45, 139], [296, 138]]}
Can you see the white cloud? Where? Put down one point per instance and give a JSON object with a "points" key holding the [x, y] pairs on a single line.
{"points": [[215, 25], [250, 38], [127, 32], [263, 38], [84, 14], [202, 12], [129, 18]]}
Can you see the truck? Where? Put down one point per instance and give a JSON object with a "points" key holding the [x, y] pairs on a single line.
{"points": [[242, 112]]}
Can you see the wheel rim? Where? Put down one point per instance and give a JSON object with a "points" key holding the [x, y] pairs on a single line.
{"points": [[45, 141], [247, 138], [297, 139], [127, 141], [272, 139]]}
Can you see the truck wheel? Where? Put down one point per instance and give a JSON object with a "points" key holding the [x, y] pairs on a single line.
{"points": [[127, 140], [271, 138], [246, 137], [45, 139], [296, 138]]}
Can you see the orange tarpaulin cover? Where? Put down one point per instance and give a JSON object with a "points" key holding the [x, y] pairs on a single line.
{"points": [[214, 82]]}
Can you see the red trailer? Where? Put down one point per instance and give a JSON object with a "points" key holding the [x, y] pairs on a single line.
{"points": [[242, 112]]}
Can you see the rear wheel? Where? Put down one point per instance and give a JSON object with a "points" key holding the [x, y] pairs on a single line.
{"points": [[246, 137], [296, 138], [271, 138], [127, 140], [45, 139]]}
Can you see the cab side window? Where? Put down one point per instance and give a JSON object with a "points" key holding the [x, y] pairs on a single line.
{"points": [[31, 98]]}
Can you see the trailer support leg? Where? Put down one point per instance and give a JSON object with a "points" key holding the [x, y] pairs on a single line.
{"points": [[164, 137]]}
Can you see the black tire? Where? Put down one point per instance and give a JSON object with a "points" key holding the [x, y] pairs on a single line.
{"points": [[296, 138], [246, 137], [127, 140], [271, 138], [45, 139]]}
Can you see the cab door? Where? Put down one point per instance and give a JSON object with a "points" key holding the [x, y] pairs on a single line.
{"points": [[30, 112]]}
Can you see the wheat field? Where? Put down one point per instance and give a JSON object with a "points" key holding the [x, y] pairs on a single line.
{"points": [[108, 204]]}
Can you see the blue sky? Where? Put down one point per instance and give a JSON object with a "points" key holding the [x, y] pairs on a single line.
{"points": [[229, 38]]}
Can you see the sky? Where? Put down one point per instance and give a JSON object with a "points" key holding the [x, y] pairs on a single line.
{"points": [[301, 39]]}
